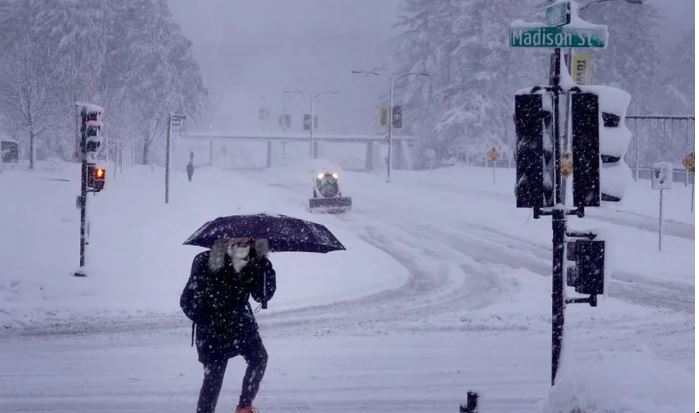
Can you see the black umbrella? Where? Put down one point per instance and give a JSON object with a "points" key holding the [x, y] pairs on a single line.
{"points": [[284, 233]]}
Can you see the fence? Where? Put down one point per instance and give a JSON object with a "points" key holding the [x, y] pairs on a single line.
{"points": [[660, 138]]}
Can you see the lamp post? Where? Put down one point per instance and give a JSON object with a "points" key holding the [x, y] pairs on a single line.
{"points": [[311, 97], [391, 79]]}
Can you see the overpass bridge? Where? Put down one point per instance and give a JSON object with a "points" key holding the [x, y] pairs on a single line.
{"points": [[401, 143]]}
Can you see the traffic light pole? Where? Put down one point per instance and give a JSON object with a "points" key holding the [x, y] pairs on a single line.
{"points": [[311, 150], [83, 195], [390, 128], [167, 158], [558, 224]]}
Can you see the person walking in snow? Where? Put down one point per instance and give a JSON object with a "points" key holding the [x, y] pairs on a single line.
{"points": [[190, 170], [216, 299]]}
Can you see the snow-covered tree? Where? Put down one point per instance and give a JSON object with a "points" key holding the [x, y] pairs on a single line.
{"points": [[128, 56], [466, 106]]}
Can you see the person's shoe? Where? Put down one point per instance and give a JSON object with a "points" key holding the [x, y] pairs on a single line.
{"points": [[246, 409]]}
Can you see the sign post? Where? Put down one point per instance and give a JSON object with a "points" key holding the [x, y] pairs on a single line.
{"points": [[431, 154], [493, 156], [688, 163], [90, 117], [176, 120], [562, 29], [661, 179]]}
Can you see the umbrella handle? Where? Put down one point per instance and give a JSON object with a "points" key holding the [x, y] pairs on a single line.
{"points": [[264, 290]]}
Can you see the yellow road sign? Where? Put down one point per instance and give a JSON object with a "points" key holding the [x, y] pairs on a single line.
{"points": [[493, 154], [582, 67], [688, 162], [383, 116], [566, 165]]}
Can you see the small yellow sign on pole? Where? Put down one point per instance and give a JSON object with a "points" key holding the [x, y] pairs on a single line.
{"points": [[383, 116], [688, 162], [581, 68], [566, 164], [493, 154]]}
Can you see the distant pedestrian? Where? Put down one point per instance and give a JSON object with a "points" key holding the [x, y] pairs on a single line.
{"points": [[190, 170], [216, 300]]}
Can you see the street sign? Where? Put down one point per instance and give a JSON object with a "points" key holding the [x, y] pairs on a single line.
{"points": [[532, 35], [383, 116], [493, 154], [582, 67], [177, 119], [688, 162], [558, 14], [662, 175]]}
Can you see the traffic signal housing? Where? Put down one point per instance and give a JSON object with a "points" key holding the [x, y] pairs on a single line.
{"points": [[96, 177], [586, 149], [586, 273], [91, 127], [614, 139], [534, 145], [397, 117]]}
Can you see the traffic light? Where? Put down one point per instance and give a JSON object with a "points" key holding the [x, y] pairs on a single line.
{"points": [[586, 275], [95, 177], [586, 156], [91, 127], [533, 123], [397, 117], [614, 139]]}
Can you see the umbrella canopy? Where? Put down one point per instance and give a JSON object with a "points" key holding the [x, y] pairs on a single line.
{"points": [[284, 233]]}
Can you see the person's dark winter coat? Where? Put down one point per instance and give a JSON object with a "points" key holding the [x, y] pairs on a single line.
{"points": [[216, 300], [190, 170]]}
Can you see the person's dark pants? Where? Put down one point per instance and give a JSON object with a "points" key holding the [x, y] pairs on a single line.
{"points": [[255, 355]]}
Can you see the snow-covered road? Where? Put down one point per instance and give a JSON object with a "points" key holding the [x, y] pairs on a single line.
{"points": [[445, 287]]}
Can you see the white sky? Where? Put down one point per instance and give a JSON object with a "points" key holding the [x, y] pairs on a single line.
{"points": [[249, 48]]}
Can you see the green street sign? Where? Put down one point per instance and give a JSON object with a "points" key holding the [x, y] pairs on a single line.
{"points": [[558, 14], [563, 37]]}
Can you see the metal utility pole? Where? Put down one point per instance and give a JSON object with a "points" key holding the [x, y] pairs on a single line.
{"points": [[310, 128], [311, 97], [558, 224], [90, 124], [82, 200], [390, 129], [173, 119], [167, 158], [391, 79]]}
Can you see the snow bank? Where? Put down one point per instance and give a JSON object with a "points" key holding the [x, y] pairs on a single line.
{"points": [[621, 382]]}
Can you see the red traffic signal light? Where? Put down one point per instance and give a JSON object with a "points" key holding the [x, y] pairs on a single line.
{"points": [[95, 177]]}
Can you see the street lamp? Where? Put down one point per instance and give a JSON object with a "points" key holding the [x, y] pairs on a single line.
{"points": [[391, 79], [604, 1], [311, 97], [285, 93]]}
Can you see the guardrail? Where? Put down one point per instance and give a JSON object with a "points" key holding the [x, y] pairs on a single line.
{"points": [[644, 172]]}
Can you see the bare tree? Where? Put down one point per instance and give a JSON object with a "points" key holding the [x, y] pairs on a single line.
{"points": [[26, 97]]}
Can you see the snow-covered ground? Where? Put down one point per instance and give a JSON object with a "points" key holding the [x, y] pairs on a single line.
{"points": [[444, 288]]}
